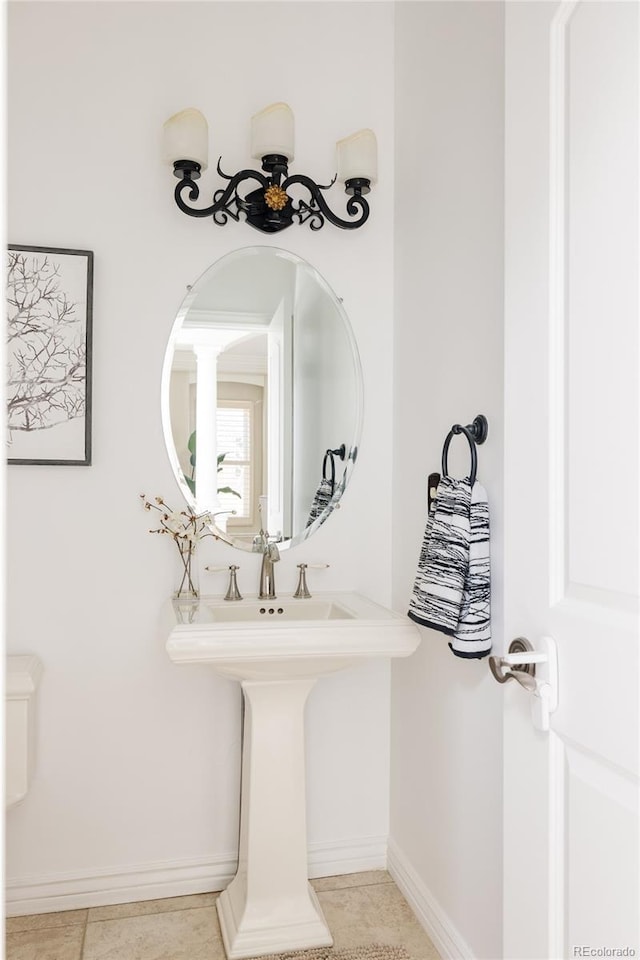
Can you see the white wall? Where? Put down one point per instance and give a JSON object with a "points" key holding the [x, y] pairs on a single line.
{"points": [[138, 760], [446, 713]]}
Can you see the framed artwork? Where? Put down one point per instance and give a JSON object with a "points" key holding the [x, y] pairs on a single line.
{"points": [[49, 294]]}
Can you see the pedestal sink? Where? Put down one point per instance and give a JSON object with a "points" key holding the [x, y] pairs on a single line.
{"points": [[277, 650]]}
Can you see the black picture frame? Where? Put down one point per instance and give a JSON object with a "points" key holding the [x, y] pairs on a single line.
{"points": [[49, 297]]}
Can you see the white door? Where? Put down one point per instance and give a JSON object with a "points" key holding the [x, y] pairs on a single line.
{"points": [[572, 485]]}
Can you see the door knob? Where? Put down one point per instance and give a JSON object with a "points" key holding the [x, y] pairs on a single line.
{"points": [[518, 664], [535, 670]]}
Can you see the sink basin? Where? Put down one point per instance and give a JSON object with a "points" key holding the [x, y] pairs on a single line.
{"points": [[259, 611], [277, 649], [255, 639]]}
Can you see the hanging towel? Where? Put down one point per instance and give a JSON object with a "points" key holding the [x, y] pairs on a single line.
{"points": [[451, 592], [472, 637], [444, 558], [326, 494]]}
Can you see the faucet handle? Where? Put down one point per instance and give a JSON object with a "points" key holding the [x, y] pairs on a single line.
{"points": [[232, 590], [302, 590]]}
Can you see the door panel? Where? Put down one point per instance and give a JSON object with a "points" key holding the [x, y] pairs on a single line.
{"points": [[571, 447], [602, 882], [599, 230]]}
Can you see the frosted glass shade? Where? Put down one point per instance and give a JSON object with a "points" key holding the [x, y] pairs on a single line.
{"points": [[272, 131], [186, 137], [358, 156]]}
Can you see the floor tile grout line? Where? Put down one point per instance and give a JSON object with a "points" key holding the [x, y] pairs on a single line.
{"points": [[153, 913], [84, 937], [55, 926], [359, 886]]}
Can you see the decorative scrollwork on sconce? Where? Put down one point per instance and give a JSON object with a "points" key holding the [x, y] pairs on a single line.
{"points": [[269, 207], [318, 208]]}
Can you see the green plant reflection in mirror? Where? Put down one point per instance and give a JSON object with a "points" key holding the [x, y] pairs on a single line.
{"points": [[191, 481]]}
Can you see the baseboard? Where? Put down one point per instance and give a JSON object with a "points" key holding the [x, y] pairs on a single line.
{"points": [[119, 885], [333, 858], [446, 938], [173, 878]]}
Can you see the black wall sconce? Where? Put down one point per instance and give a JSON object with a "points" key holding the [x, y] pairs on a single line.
{"points": [[269, 207]]}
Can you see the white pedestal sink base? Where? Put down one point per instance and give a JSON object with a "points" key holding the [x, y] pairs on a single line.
{"points": [[277, 654], [306, 928], [270, 906]]}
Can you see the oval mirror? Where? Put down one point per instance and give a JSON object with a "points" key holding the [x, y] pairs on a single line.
{"points": [[262, 397]]}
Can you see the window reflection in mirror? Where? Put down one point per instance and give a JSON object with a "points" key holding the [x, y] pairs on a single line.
{"points": [[261, 378]]}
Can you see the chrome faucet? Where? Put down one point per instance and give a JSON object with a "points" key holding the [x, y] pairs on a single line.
{"points": [[270, 555]]}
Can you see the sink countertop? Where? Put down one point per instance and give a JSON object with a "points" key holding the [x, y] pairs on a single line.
{"points": [[345, 626]]}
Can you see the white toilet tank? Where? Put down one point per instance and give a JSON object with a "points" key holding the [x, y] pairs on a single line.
{"points": [[23, 676]]}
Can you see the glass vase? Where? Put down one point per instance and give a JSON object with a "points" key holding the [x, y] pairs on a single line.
{"points": [[188, 587]]}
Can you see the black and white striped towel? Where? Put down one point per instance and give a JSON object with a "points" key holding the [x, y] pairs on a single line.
{"points": [[472, 637], [326, 496], [444, 558], [452, 589], [321, 500]]}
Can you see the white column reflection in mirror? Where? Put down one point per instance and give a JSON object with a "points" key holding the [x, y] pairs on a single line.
{"points": [[207, 447], [207, 344]]}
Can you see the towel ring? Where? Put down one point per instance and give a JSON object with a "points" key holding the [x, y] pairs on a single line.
{"points": [[329, 456], [475, 432]]}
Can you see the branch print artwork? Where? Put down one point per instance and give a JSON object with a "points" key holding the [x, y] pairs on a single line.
{"points": [[49, 294]]}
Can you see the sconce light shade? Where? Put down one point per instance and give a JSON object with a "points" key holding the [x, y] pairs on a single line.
{"points": [[272, 132], [358, 157], [186, 137]]}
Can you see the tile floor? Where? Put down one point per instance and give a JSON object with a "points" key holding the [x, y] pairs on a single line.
{"points": [[360, 908]]}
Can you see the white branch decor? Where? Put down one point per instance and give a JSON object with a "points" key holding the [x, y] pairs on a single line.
{"points": [[49, 310], [186, 529]]}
